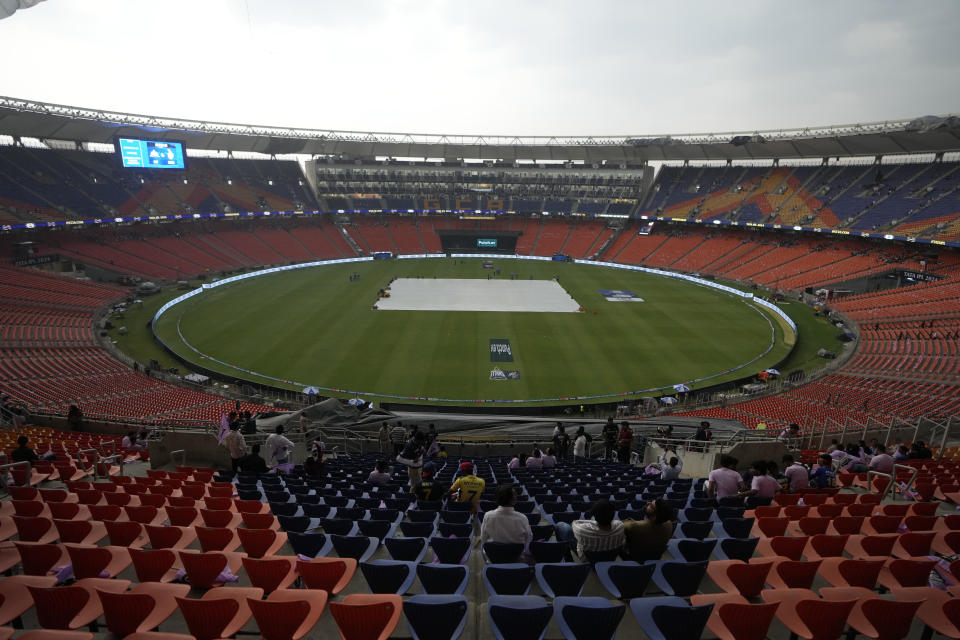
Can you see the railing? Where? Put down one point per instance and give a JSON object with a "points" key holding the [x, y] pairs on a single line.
{"points": [[891, 479], [93, 467], [118, 457]]}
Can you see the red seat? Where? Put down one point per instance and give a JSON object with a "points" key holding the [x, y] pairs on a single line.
{"points": [[270, 574], [844, 572], [170, 537], [737, 576], [875, 617], [107, 513], [94, 562], [328, 574], [912, 545], [221, 518], [734, 618], [39, 530], [804, 614], [790, 574], [217, 538], [364, 616], [288, 614], [125, 534], [74, 606], [143, 608], [787, 547], [15, 598], [204, 569], [155, 565], [259, 543], [825, 546], [260, 521], [220, 613], [82, 532], [906, 573], [871, 546]]}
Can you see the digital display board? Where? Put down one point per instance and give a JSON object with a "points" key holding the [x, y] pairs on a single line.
{"points": [[150, 154], [486, 243]]}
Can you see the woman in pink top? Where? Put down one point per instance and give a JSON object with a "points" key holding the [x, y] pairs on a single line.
{"points": [[725, 481], [763, 486], [535, 461]]}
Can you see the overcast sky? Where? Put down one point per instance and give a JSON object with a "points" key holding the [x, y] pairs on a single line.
{"points": [[493, 67]]}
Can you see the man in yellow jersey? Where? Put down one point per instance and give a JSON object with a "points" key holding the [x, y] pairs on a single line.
{"points": [[468, 487]]}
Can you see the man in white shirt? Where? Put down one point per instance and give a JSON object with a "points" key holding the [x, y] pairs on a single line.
{"points": [[503, 524], [881, 461], [670, 465], [589, 538], [725, 481], [797, 474], [279, 447]]}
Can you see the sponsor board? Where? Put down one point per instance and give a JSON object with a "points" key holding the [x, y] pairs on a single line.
{"points": [[499, 374], [500, 350], [620, 296]]}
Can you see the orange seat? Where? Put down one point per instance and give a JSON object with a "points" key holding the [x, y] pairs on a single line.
{"points": [[906, 573], [141, 609], [737, 576], [845, 526], [288, 614], [39, 530], [84, 532], [804, 614], [790, 574], [155, 565], [872, 616], [272, 573], [217, 538], [329, 574], [260, 543], [260, 521], [204, 569], [94, 562], [170, 537], [844, 572], [367, 616], [15, 598], [791, 548], [75, 606], [221, 613], [912, 545], [871, 546], [825, 546], [733, 618], [220, 518], [126, 534], [938, 610]]}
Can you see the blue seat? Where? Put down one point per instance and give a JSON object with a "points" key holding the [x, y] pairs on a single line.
{"points": [[338, 526], [429, 505], [299, 524], [447, 529], [625, 579], [736, 549], [456, 517], [670, 618], [311, 545], [284, 508], [418, 529], [508, 579], [561, 579], [691, 550], [502, 552], [542, 531], [451, 550], [390, 515], [456, 505], [352, 513], [733, 528], [679, 578], [367, 503], [534, 518], [549, 551], [250, 495], [400, 504], [587, 618], [316, 510], [338, 501], [693, 530], [307, 499], [752, 502], [694, 514], [550, 508], [731, 501], [703, 503], [424, 516], [728, 513], [525, 506], [411, 549], [518, 617], [359, 548], [389, 576], [377, 528], [279, 497], [564, 516], [443, 578], [436, 617]]}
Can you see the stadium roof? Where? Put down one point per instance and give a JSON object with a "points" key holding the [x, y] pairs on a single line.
{"points": [[59, 122]]}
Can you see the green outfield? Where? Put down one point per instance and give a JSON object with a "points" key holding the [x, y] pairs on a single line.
{"points": [[316, 326]]}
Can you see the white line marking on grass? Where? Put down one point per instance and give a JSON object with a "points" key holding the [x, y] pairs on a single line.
{"points": [[474, 294]]}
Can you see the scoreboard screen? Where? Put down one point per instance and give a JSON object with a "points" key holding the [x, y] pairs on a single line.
{"points": [[150, 154]]}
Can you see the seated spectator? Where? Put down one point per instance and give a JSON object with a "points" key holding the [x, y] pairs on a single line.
{"points": [[647, 539], [142, 440], [253, 463], [520, 461], [902, 454], [503, 524], [597, 538], [822, 476], [549, 460], [670, 464], [797, 475], [23, 453], [849, 459], [379, 476], [834, 445], [535, 461], [762, 485], [790, 434], [919, 451], [725, 481], [467, 487], [881, 460], [428, 489], [129, 440]]}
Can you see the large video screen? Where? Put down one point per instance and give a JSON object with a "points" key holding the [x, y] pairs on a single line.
{"points": [[150, 154]]}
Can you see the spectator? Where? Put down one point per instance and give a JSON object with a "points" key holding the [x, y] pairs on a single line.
{"points": [[549, 460], [398, 436], [278, 446], [412, 458], [250, 423], [442, 452], [790, 434], [535, 461], [602, 535], [431, 443], [129, 441], [703, 435], [881, 460], [313, 465], [428, 489], [384, 436], [762, 485], [625, 441], [519, 462], [725, 481], [919, 451], [670, 467], [647, 539], [503, 524], [252, 462], [822, 476], [834, 445], [379, 476], [902, 454], [849, 459], [580, 446], [609, 433], [23, 453], [75, 418], [235, 444], [141, 442], [468, 487], [561, 440], [797, 475]]}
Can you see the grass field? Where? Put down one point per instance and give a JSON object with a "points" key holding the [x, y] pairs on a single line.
{"points": [[316, 327]]}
